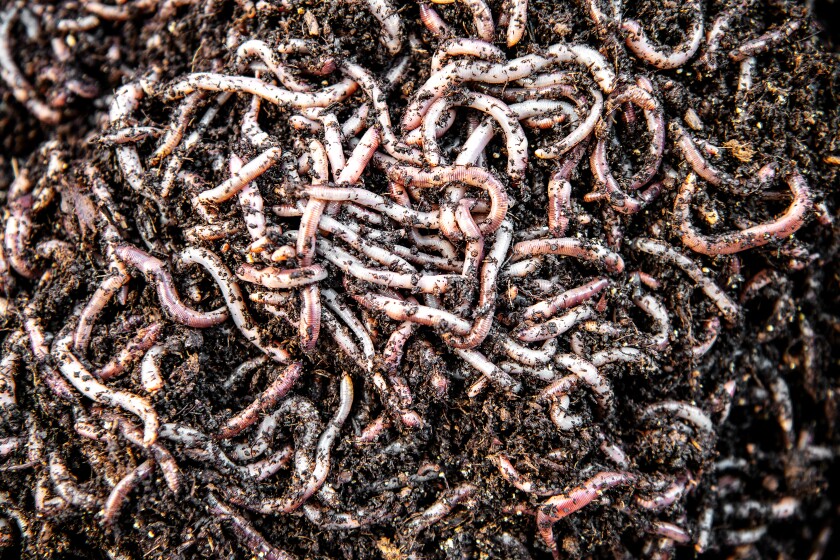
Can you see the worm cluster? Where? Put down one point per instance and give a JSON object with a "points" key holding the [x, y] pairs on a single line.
{"points": [[418, 280]]}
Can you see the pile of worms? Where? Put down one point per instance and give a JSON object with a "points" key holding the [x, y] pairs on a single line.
{"points": [[444, 279]]}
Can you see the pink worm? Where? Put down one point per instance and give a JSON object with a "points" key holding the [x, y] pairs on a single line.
{"points": [[167, 294], [461, 46], [756, 236], [638, 42], [281, 279], [240, 178], [469, 176], [210, 81], [560, 192], [570, 247], [547, 309], [115, 499], [278, 389], [433, 22], [445, 504], [143, 339], [557, 507]]}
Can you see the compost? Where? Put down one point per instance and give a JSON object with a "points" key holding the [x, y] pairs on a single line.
{"points": [[449, 279]]}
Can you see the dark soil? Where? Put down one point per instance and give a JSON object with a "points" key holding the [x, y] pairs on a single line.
{"points": [[789, 330]]}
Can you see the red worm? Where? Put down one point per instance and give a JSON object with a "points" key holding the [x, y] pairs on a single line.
{"points": [[756, 236]]}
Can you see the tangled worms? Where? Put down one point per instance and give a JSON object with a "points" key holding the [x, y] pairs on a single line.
{"points": [[319, 255]]}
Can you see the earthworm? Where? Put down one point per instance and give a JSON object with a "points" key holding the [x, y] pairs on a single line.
{"points": [[659, 313], [251, 128], [266, 400], [391, 22], [143, 339], [548, 308], [461, 46], [456, 73], [570, 247], [765, 42], [579, 134], [168, 466], [741, 537], [520, 481], [325, 442], [518, 19], [341, 310], [712, 327], [433, 22], [782, 509], [342, 339], [234, 299], [666, 498], [729, 308], [259, 49], [129, 135], [246, 367], [359, 159], [37, 340], [516, 142], [308, 228], [15, 80], [529, 356], [281, 279], [251, 202], [469, 176], [557, 507], [489, 370], [77, 25], [638, 42], [167, 294], [68, 488], [379, 103], [242, 528], [175, 131], [554, 327], [74, 372], [695, 159], [670, 531], [368, 199], [582, 370], [333, 141], [400, 310], [18, 232], [120, 492], [173, 166], [442, 507], [209, 81], [559, 191], [425, 283], [239, 179], [687, 412], [756, 236], [8, 368]]}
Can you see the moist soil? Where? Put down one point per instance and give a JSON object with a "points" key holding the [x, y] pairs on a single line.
{"points": [[789, 329]]}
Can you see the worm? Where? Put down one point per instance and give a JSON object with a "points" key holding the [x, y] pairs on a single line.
{"points": [[281, 279], [115, 499], [687, 412], [489, 370], [443, 506], [143, 339], [461, 46], [557, 507], [167, 294], [756, 236], [161, 455], [516, 142], [570, 298], [210, 81], [765, 42], [570, 247], [68, 488], [242, 528], [84, 382], [518, 19], [579, 134], [266, 400], [240, 178], [638, 42], [553, 327], [729, 308], [520, 481], [175, 131], [695, 158], [20, 87], [271, 60], [391, 22], [234, 299]]}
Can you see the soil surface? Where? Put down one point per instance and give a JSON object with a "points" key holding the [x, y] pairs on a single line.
{"points": [[760, 481]]}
